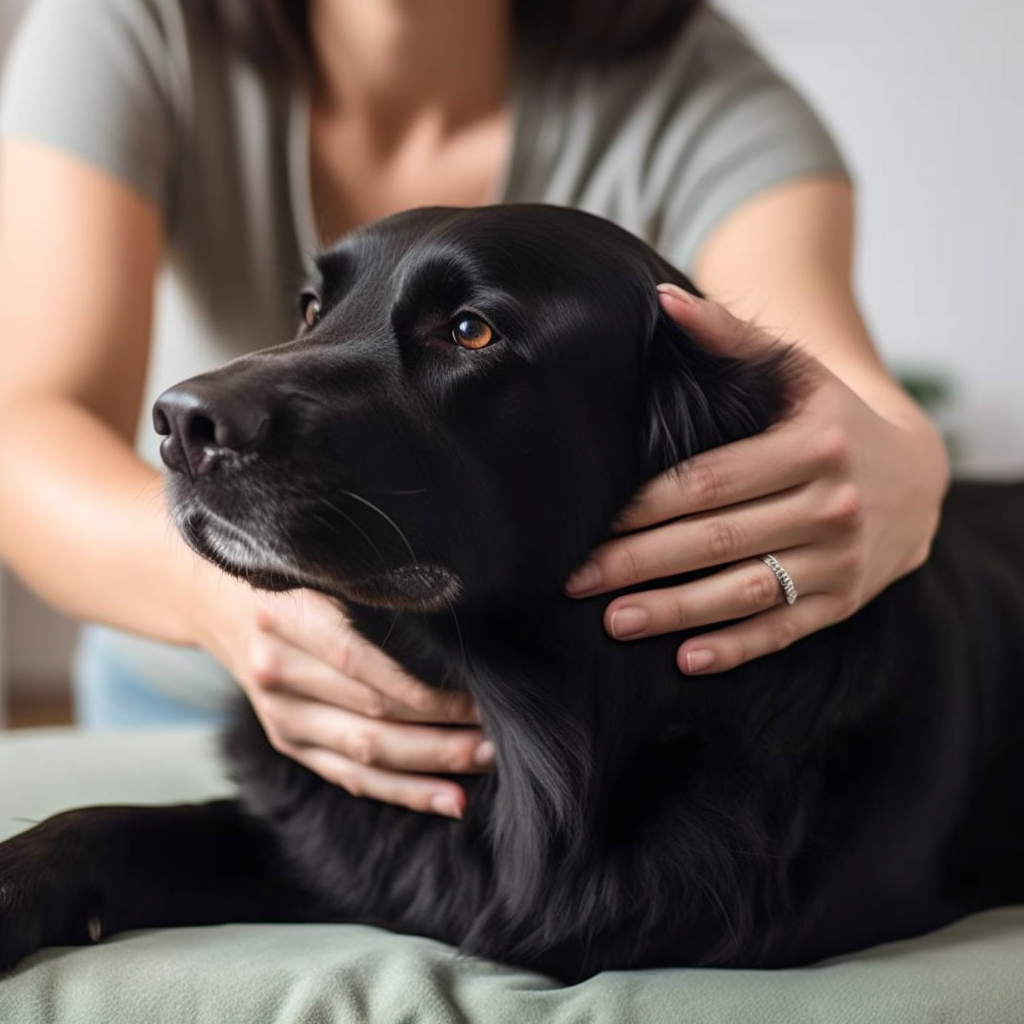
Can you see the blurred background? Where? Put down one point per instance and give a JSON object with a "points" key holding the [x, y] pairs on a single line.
{"points": [[925, 101]]}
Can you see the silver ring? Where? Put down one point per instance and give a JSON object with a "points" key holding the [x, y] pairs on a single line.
{"points": [[785, 580]]}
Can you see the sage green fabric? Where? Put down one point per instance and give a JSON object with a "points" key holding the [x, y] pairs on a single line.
{"points": [[970, 973], [666, 146]]}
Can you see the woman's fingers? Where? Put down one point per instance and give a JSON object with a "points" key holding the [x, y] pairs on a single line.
{"points": [[743, 589], [781, 521], [305, 619], [278, 667], [417, 792], [312, 623], [377, 743], [368, 663], [338, 705], [353, 734], [762, 634], [776, 460], [844, 495], [711, 323]]}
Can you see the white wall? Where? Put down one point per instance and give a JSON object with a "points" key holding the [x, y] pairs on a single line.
{"points": [[926, 102], [925, 99]]}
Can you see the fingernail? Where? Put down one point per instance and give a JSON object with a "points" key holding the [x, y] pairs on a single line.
{"points": [[698, 661], [629, 621], [446, 805], [484, 753], [587, 577], [673, 291]]}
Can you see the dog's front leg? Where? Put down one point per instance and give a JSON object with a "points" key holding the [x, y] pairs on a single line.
{"points": [[88, 873]]}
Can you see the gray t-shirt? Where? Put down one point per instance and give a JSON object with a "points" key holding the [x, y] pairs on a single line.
{"points": [[666, 146]]}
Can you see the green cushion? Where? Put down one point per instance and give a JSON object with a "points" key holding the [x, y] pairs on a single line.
{"points": [[314, 974]]}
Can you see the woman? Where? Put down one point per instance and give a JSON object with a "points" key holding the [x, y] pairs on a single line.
{"points": [[225, 142]]}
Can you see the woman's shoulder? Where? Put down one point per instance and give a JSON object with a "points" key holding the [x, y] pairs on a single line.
{"points": [[120, 84], [710, 77], [670, 142], [709, 61], [127, 31]]}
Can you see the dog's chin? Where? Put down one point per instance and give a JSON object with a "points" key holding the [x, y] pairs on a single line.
{"points": [[235, 551], [416, 587]]}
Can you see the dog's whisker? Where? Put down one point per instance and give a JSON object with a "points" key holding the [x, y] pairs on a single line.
{"points": [[348, 519], [387, 519], [391, 628], [463, 657]]}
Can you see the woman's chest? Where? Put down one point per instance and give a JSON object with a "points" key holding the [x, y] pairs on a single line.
{"points": [[356, 177]]}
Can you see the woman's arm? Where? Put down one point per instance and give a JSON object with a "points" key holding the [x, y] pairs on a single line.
{"points": [[785, 261], [845, 490], [82, 519], [84, 523]]}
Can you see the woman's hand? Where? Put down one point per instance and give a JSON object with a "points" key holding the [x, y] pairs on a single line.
{"points": [[846, 500], [339, 705]]}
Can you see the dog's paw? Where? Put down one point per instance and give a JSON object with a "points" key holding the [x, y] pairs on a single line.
{"points": [[42, 902]]}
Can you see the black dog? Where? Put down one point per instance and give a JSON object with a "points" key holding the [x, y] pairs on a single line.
{"points": [[479, 392]]}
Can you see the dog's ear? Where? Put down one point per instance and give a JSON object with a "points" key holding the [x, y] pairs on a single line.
{"points": [[696, 399]]}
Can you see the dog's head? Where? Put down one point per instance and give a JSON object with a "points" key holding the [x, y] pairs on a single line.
{"points": [[474, 395]]}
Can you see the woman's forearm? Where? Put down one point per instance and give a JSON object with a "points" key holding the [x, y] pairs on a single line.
{"points": [[785, 262], [84, 522], [82, 519]]}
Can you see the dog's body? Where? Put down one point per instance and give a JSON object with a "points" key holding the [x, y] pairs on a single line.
{"points": [[860, 786]]}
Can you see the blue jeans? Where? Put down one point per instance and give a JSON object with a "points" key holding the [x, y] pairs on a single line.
{"points": [[109, 694]]}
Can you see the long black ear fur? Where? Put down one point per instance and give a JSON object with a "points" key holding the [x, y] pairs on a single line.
{"points": [[698, 400]]}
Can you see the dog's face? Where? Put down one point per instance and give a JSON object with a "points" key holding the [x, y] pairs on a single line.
{"points": [[473, 396]]}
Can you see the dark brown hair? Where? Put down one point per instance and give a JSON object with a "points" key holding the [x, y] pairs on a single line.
{"points": [[273, 34]]}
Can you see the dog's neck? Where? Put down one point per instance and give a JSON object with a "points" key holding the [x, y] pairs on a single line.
{"points": [[578, 719]]}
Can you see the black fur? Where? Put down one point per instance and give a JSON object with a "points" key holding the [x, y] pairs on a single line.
{"points": [[860, 786]]}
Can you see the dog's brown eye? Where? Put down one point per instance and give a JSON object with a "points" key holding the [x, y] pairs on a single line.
{"points": [[472, 332], [309, 303]]}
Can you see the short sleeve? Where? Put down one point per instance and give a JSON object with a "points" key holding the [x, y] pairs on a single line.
{"points": [[738, 129], [96, 79]]}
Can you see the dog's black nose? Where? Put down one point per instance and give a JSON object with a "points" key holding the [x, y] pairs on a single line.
{"points": [[203, 423]]}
